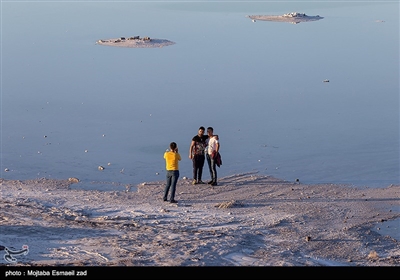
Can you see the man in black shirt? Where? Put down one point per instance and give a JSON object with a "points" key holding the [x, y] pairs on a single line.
{"points": [[196, 154]]}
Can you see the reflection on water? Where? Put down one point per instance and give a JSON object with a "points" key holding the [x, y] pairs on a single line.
{"points": [[69, 105]]}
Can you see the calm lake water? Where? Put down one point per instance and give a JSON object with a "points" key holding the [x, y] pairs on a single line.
{"points": [[69, 105]]}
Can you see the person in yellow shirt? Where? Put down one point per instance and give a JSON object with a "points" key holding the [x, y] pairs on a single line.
{"points": [[172, 158]]}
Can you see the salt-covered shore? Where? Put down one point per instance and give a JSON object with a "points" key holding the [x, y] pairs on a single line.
{"points": [[247, 220]]}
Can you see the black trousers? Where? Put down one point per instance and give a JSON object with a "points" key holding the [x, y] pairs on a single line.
{"points": [[212, 165], [198, 163]]}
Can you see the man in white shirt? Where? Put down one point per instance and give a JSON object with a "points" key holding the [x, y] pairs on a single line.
{"points": [[212, 149]]}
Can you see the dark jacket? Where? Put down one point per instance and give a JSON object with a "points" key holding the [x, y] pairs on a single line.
{"points": [[217, 157]]}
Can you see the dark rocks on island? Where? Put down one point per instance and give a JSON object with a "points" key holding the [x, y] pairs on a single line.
{"points": [[138, 38], [122, 39]]}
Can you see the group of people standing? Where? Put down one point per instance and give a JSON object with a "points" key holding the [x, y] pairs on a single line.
{"points": [[203, 147]]}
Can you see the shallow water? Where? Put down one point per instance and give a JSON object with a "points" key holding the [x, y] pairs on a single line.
{"points": [[391, 228], [69, 105]]}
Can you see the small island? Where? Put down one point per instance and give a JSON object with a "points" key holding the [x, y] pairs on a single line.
{"points": [[293, 17], [135, 42]]}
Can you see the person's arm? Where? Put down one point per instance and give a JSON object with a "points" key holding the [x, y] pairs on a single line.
{"points": [[191, 149], [217, 147]]}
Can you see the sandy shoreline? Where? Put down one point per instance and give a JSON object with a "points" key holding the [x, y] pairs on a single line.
{"points": [[248, 220]]}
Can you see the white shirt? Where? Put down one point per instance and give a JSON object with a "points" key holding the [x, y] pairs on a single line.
{"points": [[212, 144]]}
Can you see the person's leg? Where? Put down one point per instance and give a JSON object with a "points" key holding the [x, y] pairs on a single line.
{"points": [[214, 172], [167, 185], [200, 172], [195, 167], [209, 167], [174, 180]]}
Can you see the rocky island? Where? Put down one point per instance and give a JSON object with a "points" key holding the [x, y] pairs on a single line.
{"points": [[293, 17], [135, 42]]}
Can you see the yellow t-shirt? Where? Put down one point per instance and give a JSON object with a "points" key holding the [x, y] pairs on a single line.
{"points": [[171, 160]]}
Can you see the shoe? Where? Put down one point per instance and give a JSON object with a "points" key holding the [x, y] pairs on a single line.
{"points": [[210, 182], [213, 184], [164, 199], [200, 182], [173, 201], [194, 182]]}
